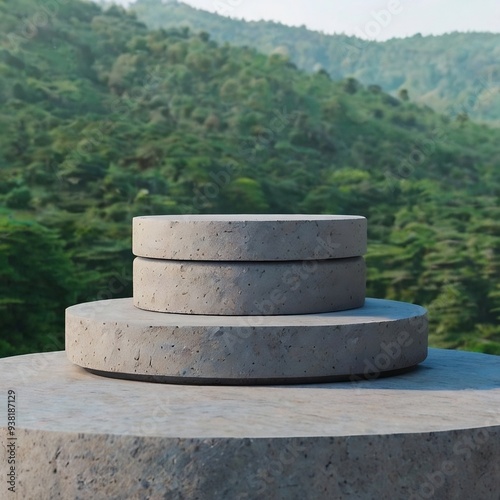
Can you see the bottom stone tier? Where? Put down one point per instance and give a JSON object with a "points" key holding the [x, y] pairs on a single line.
{"points": [[115, 338], [430, 433]]}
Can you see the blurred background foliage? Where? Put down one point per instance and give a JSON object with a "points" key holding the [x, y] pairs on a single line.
{"points": [[103, 119]]}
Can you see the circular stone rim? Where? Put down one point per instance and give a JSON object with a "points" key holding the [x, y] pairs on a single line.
{"points": [[252, 237], [447, 380], [113, 336]]}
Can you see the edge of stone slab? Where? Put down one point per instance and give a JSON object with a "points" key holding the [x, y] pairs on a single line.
{"points": [[158, 379], [420, 465]]}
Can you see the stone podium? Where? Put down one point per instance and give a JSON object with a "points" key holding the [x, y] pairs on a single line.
{"points": [[249, 364]]}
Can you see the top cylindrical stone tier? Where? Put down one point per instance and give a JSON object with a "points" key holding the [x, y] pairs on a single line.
{"points": [[249, 237]]}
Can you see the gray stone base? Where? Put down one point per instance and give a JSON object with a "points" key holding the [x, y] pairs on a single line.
{"points": [[115, 337], [431, 433]]}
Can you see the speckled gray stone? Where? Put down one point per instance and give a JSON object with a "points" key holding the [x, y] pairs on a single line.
{"points": [[431, 433], [116, 337], [249, 288], [249, 237]]}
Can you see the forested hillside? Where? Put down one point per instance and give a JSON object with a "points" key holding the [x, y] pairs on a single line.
{"points": [[454, 73], [103, 120]]}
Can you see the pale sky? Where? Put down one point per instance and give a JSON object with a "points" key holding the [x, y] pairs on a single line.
{"points": [[370, 19]]}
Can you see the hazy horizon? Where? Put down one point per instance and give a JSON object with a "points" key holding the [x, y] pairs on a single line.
{"points": [[369, 19]]}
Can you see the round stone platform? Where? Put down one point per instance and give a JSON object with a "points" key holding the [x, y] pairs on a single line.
{"points": [[430, 433], [115, 337], [249, 237], [249, 288]]}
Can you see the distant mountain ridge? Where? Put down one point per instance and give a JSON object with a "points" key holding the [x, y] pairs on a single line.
{"points": [[453, 73]]}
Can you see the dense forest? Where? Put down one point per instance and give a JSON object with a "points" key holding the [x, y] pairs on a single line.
{"points": [[103, 119], [453, 73]]}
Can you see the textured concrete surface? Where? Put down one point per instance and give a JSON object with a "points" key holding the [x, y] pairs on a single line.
{"points": [[249, 288], [249, 237], [115, 336], [431, 433]]}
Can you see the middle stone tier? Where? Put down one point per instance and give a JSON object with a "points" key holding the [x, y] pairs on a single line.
{"points": [[249, 288]]}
